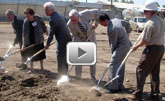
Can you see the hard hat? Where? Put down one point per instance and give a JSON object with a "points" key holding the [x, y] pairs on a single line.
{"points": [[150, 5]]}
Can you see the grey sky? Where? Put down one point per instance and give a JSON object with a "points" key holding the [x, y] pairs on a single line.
{"points": [[161, 2]]}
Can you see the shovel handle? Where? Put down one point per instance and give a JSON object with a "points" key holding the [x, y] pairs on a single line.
{"points": [[128, 54], [10, 47], [43, 49], [91, 32], [112, 80], [89, 36], [38, 53], [121, 65], [70, 68], [29, 46], [20, 50], [98, 83]]}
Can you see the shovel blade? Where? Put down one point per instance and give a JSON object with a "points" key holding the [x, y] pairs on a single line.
{"points": [[64, 79], [95, 88], [22, 66]]}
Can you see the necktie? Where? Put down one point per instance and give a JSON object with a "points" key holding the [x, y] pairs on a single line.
{"points": [[82, 28]]}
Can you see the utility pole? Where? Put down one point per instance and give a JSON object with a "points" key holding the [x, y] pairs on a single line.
{"points": [[111, 4], [18, 6], [86, 1]]}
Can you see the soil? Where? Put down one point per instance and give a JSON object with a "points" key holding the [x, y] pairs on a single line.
{"points": [[17, 85]]}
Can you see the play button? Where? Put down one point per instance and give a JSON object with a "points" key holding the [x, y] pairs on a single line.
{"points": [[81, 53]]}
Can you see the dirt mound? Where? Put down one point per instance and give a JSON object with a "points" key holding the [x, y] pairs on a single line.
{"points": [[21, 85], [122, 99], [7, 77], [5, 81], [4, 86], [31, 82], [97, 93]]}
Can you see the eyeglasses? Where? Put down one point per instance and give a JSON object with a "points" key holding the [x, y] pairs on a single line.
{"points": [[146, 11]]}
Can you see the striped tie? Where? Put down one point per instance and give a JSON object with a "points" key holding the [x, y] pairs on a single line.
{"points": [[82, 28]]}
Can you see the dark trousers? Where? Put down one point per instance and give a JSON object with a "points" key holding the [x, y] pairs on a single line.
{"points": [[20, 46], [61, 45], [61, 60], [149, 64]]}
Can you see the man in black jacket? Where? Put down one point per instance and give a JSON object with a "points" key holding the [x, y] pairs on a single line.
{"points": [[58, 27], [17, 25]]}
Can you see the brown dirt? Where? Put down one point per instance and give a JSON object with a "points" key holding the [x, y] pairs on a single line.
{"points": [[19, 85]]}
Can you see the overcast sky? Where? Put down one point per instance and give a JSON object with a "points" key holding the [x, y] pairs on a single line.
{"points": [[161, 2]]}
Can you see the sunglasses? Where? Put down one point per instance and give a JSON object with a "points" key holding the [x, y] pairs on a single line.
{"points": [[146, 11]]}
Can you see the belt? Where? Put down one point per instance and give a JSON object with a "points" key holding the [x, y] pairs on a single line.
{"points": [[155, 45]]}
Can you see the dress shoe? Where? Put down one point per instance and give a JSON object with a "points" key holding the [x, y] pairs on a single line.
{"points": [[133, 97], [154, 97], [93, 78], [111, 91], [120, 90]]}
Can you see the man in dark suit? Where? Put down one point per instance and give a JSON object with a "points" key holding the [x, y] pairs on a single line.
{"points": [[17, 24], [58, 27]]}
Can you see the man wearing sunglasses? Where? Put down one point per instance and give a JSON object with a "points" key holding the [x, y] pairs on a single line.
{"points": [[152, 39]]}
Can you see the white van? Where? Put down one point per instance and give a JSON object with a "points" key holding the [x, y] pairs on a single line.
{"points": [[137, 23]]}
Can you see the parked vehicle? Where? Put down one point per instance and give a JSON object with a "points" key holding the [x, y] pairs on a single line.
{"points": [[137, 23]]}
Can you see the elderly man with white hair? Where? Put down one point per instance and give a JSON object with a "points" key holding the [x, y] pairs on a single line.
{"points": [[17, 24], [80, 24], [58, 27]]}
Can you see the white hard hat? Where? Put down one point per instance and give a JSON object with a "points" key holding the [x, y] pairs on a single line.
{"points": [[150, 5]]}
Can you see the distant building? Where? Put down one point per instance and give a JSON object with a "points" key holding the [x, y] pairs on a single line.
{"points": [[61, 6], [133, 9]]}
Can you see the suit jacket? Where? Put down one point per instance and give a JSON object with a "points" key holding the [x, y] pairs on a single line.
{"points": [[86, 16], [17, 25], [39, 29], [117, 35], [58, 27], [126, 26]]}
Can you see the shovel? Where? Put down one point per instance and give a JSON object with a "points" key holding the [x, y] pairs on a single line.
{"points": [[97, 87], [121, 65], [65, 78], [3, 58], [11, 53], [70, 68], [21, 50], [29, 59]]}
